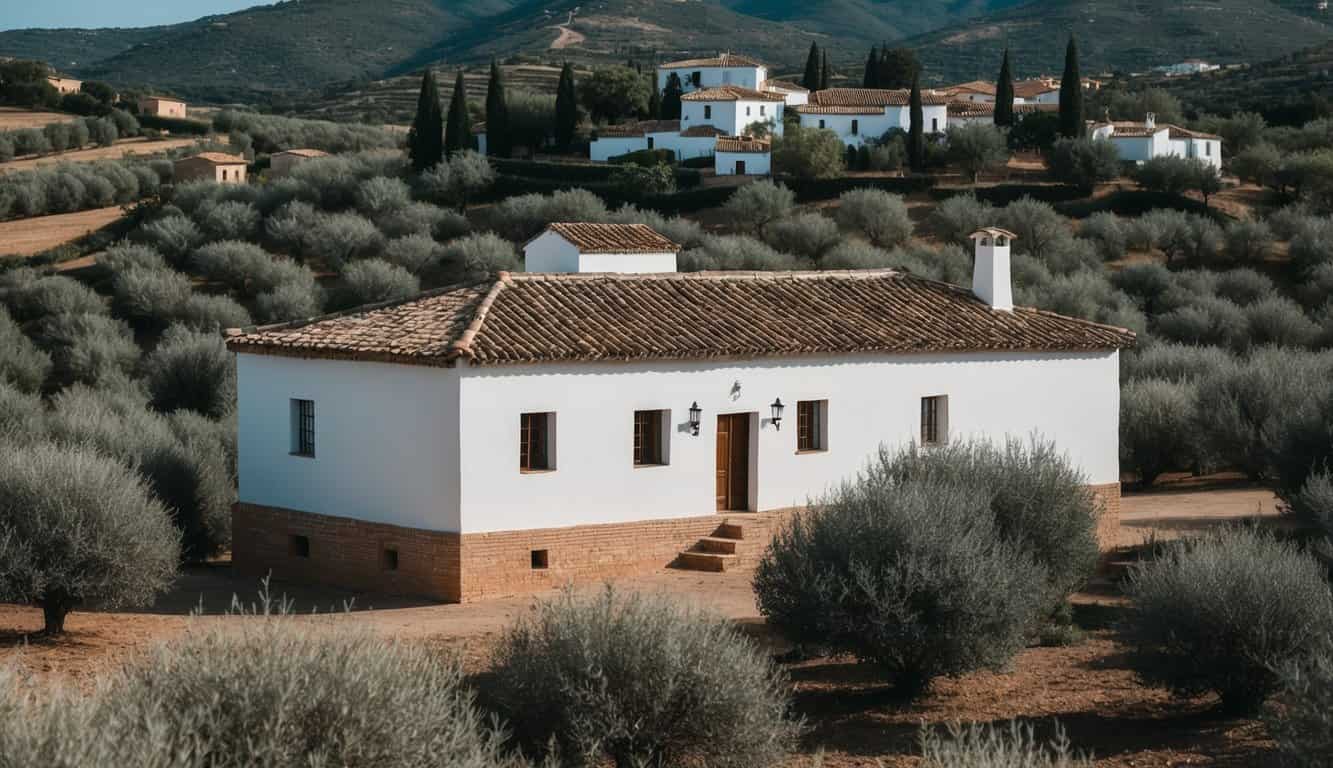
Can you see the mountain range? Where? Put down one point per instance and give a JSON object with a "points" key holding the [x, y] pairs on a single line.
{"points": [[302, 46]]}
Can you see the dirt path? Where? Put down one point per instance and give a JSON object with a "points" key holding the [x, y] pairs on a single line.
{"points": [[568, 38], [26, 237], [118, 150], [12, 118]]}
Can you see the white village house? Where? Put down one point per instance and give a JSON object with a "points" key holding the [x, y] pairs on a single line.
{"points": [[864, 115], [743, 156], [713, 72], [1140, 142], [535, 428]]}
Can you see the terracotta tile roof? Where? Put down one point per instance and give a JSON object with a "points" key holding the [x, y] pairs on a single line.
{"points": [[162, 98], [721, 60], [544, 318], [217, 158], [304, 152], [730, 93], [743, 144], [783, 85], [1128, 129], [963, 109], [641, 128], [1028, 89], [700, 131], [975, 86], [864, 101], [1184, 133], [612, 238]]}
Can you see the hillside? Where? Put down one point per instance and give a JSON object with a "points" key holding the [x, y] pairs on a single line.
{"points": [[1123, 35], [1288, 90]]}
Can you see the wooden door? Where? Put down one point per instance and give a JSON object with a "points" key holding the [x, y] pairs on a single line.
{"points": [[740, 167], [733, 462]]}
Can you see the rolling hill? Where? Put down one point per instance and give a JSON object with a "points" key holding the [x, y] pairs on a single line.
{"points": [[1288, 90]]}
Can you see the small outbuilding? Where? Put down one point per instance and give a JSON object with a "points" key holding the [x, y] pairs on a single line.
{"points": [[162, 106], [65, 85], [211, 166], [743, 156], [584, 247], [282, 163]]}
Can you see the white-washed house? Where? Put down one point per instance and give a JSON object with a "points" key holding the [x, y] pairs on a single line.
{"points": [[732, 109], [1140, 142], [578, 247], [615, 140], [860, 115], [531, 429], [743, 156], [973, 112], [714, 72]]}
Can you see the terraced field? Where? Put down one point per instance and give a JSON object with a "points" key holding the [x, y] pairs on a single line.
{"points": [[394, 100]]}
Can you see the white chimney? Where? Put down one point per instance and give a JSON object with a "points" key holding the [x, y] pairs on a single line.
{"points": [[990, 274], [1150, 120]]}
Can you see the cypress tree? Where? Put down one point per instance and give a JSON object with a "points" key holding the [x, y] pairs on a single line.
{"points": [[566, 108], [1071, 95], [916, 137], [425, 141], [811, 78], [825, 72], [654, 100], [870, 79], [897, 67], [671, 97], [1004, 94], [497, 115], [459, 134]]}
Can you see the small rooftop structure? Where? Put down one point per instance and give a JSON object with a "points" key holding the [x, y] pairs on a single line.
{"points": [[585, 247], [863, 101], [731, 93], [721, 60]]}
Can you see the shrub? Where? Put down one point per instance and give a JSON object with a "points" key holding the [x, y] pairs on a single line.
{"points": [[754, 206], [683, 232], [191, 369], [1244, 286], [288, 227], [41, 297], [229, 220], [272, 133], [1147, 284], [124, 255], [373, 281], [76, 529], [212, 314], [279, 692], [1220, 612], [1279, 321], [289, 301], [173, 236], [338, 239], [1156, 427], [1300, 717], [476, 257], [856, 255], [853, 573], [633, 679], [808, 235], [150, 297], [1209, 321], [808, 153], [22, 365], [21, 415], [1107, 231], [1070, 256], [1083, 162], [380, 196], [654, 180], [1174, 362], [1314, 501], [976, 148], [248, 269], [959, 216], [87, 348], [734, 252], [1248, 242], [414, 253], [1288, 220], [521, 217], [1036, 225], [989, 746], [1312, 245], [881, 217], [421, 219]]}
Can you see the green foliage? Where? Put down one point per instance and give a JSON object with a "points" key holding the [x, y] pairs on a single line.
{"points": [[1221, 612], [1157, 427], [658, 179], [374, 281], [381, 196], [959, 216], [1083, 162], [807, 235], [212, 314], [150, 297], [521, 217], [808, 153], [880, 216], [458, 131], [1004, 94], [1107, 231], [633, 678], [425, 139], [977, 148], [567, 107], [991, 746], [734, 252], [228, 220], [193, 370], [88, 348], [916, 137], [172, 236], [69, 187], [1071, 94], [289, 301], [1259, 163], [1169, 361], [1300, 717], [756, 205], [1248, 242], [413, 253], [851, 254], [856, 572], [22, 365], [498, 137], [1038, 228], [465, 175], [79, 529], [614, 93], [478, 256], [273, 133]]}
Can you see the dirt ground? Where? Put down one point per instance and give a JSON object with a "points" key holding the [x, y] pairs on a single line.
{"points": [[136, 146], [12, 118], [1088, 688], [25, 237]]}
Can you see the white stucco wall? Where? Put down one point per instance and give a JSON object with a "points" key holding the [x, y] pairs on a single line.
{"points": [[601, 149], [871, 127], [756, 163], [712, 77], [549, 252], [685, 147], [386, 440], [1072, 399], [731, 116]]}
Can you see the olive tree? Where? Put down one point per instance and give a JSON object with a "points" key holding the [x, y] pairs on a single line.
{"points": [[754, 206], [78, 528], [880, 216], [977, 148]]}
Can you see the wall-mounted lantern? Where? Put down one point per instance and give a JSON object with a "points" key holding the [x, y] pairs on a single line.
{"points": [[777, 407], [695, 415]]}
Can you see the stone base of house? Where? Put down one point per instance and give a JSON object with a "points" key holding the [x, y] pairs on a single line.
{"points": [[452, 567]]}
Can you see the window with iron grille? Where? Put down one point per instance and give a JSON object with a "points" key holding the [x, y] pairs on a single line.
{"points": [[810, 425], [934, 420], [648, 438], [303, 427], [534, 436]]}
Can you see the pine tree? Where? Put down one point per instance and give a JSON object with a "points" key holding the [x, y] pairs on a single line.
{"points": [[1071, 95], [870, 79], [811, 79], [458, 136], [498, 139], [1004, 94], [425, 141], [916, 137], [825, 72], [671, 97], [566, 108]]}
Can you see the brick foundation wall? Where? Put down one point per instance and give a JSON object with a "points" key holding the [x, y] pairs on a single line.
{"points": [[459, 568]]}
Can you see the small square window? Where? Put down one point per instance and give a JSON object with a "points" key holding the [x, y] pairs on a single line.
{"points": [[541, 559], [298, 546], [708, 111], [536, 440], [747, 111], [389, 559], [303, 428], [821, 123], [811, 425], [934, 420], [763, 110], [856, 127], [650, 438]]}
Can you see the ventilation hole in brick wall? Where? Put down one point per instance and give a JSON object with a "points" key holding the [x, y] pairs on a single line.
{"points": [[540, 559], [389, 559], [298, 546]]}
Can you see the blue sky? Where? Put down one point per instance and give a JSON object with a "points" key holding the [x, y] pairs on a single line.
{"points": [[20, 14]]}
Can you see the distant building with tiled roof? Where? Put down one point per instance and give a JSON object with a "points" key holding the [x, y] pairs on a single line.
{"points": [[743, 156], [65, 85], [1139, 142], [519, 432], [162, 106], [974, 91], [211, 166], [281, 163], [860, 115], [584, 247], [966, 112]]}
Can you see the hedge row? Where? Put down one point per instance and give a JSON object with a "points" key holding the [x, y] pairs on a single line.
{"points": [[1001, 195], [808, 190], [685, 201], [176, 125], [577, 173]]}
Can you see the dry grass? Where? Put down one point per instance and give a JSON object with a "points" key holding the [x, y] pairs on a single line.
{"points": [[12, 118], [125, 148], [25, 237]]}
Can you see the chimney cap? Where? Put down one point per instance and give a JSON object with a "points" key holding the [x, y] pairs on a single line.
{"points": [[992, 232]]}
